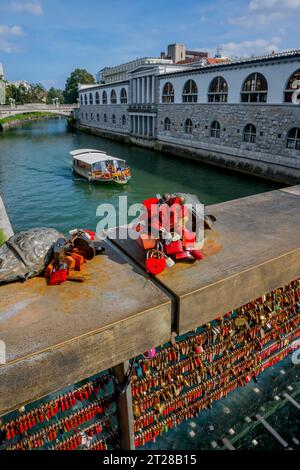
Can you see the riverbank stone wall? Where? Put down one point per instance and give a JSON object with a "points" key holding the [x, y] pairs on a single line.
{"points": [[109, 117]]}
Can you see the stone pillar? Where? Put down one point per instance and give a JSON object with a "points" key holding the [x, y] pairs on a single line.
{"points": [[148, 100], [141, 125], [143, 90], [131, 124], [153, 88], [140, 91], [150, 89], [150, 126], [125, 410], [133, 91]]}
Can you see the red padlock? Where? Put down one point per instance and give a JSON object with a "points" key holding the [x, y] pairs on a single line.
{"points": [[156, 262], [197, 255], [58, 277], [174, 247]]}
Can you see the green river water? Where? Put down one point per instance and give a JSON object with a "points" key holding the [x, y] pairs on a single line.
{"points": [[39, 188]]}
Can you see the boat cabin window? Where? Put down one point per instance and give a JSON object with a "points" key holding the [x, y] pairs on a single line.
{"points": [[83, 165]]}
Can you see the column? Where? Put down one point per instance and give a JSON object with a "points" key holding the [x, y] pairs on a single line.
{"points": [[153, 89], [133, 91], [150, 89], [150, 126], [148, 100], [143, 89], [136, 125], [136, 91], [141, 125], [131, 124], [140, 91]]}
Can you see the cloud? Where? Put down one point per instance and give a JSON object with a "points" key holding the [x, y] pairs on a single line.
{"points": [[257, 20], [32, 7], [266, 12], [274, 4], [8, 35], [249, 48]]}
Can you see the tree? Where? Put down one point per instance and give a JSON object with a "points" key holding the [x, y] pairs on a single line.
{"points": [[37, 93], [55, 93], [71, 90]]}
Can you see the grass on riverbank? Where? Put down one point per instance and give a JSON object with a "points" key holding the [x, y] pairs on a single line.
{"points": [[2, 237], [24, 117]]}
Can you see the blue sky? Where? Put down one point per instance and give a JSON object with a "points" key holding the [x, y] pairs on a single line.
{"points": [[44, 40]]}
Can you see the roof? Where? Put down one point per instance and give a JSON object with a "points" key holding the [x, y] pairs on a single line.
{"points": [[188, 60], [82, 151], [92, 156], [217, 60], [293, 54]]}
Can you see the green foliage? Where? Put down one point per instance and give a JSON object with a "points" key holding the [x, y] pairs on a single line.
{"points": [[25, 117], [35, 94], [2, 237], [55, 93], [79, 76]]}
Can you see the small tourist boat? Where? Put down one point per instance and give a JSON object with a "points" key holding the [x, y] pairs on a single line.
{"points": [[97, 166]]}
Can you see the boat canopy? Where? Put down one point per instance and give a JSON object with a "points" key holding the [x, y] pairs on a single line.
{"points": [[90, 156], [83, 151]]}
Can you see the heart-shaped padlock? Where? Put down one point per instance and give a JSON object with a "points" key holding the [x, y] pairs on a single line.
{"points": [[156, 261]]}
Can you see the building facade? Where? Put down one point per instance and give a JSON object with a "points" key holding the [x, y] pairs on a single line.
{"points": [[243, 115], [2, 86]]}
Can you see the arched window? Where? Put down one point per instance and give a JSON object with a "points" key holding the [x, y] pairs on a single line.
{"points": [[292, 85], [188, 126], [167, 124], [123, 96], [104, 97], [85, 99], [113, 97], [105, 118], [113, 118], [218, 91], [293, 139], [81, 99], [124, 120], [190, 92], [91, 98], [250, 133], [255, 89], [168, 93], [215, 129], [97, 98]]}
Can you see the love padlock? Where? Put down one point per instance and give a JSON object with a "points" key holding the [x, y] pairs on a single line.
{"points": [[156, 262]]}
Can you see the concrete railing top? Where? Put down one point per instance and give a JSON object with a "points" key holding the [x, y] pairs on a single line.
{"points": [[58, 336], [65, 109], [253, 249]]}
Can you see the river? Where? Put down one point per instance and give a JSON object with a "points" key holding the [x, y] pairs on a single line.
{"points": [[40, 189]]}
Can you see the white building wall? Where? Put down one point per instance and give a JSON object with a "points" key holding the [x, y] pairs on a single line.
{"points": [[276, 74], [108, 89]]}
